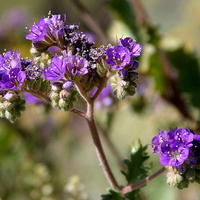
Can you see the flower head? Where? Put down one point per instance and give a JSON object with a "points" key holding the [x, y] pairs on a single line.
{"points": [[14, 79], [118, 57], [174, 153], [47, 31], [177, 147], [56, 70], [12, 75], [77, 66]]}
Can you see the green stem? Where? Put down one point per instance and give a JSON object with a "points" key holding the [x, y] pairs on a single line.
{"points": [[130, 188], [98, 146]]}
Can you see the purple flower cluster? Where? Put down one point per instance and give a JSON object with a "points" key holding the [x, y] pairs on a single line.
{"points": [[14, 71], [47, 31], [66, 66], [178, 147], [11, 74], [120, 56], [52, 31]]}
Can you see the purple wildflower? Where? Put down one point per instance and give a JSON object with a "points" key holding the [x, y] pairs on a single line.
{"points": [[14, 79], [76, 65], [11, 74], [174, 153], [38, 32], [133, 48], [158, 140], [184, 136], [47, 31], [56, 70], [177, 147], [118, 57]]}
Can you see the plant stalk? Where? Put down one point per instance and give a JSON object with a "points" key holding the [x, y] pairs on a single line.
{"points": [[98, 146], [130, 188]]}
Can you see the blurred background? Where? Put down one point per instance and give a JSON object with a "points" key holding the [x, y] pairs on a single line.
{"points": [[48, 154]]}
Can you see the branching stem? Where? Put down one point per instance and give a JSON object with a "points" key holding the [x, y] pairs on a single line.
{"points": [[142, 182]]}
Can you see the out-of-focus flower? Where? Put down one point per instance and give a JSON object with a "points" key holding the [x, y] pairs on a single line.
{"points": [[13, 19], [105, 99]]}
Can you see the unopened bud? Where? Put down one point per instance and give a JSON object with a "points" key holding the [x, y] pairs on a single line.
{"points": [[8, 105], [10, 96], [173, 178], [54, 95]]}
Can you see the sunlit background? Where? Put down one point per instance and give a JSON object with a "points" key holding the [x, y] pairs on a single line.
{"points": [[48, 154]]}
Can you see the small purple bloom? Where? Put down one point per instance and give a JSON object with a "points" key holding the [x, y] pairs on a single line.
{"points": [[118, 57], [178, 147], [134, 49], [46, 31], [56, 70], [12, 75], [14, 79], [184, 136], [174, 153], [38, 31], [77, 66]]}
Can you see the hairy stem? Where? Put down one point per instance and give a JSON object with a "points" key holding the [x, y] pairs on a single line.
{"points": [[111, 146], [78, 112], [142, 182], [38, 94], [98, 146]]}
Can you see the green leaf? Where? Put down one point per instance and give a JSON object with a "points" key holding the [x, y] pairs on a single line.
{"points": [[187, 66], [136, 170], [134, 195], [113, 195]]}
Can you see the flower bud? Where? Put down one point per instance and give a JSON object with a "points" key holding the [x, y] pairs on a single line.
{"points": [[68, 85], [173, 178], [190, 175], [64, 94], [2, 114], [54, 103], [54, 95], [10, 96], [62, 103], [68, 107], [8, 105], [183, 184]]}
